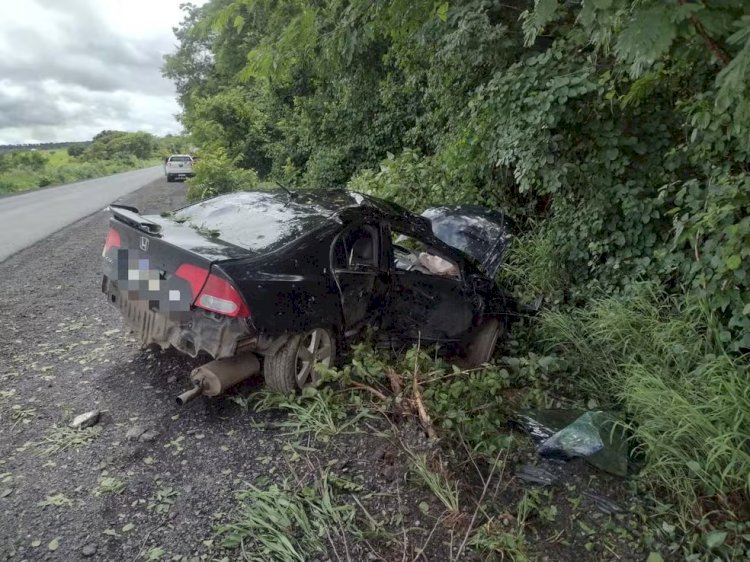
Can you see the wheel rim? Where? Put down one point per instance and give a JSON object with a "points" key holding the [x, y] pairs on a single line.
{"points": [[315, 347]]}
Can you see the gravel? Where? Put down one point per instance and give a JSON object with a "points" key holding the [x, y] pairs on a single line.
{"points": [[65, 351]]}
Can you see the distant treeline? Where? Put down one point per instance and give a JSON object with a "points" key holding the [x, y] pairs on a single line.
{"points": [[42, 146], [29, 166]]}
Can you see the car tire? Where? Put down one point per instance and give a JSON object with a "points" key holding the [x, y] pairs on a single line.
{"points": [[170, 179], [292, 366], [481, 347]]}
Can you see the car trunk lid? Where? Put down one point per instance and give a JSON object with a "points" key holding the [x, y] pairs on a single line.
{"points": [[163, 260]]}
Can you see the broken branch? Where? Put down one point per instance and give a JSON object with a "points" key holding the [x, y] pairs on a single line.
{"points": [[424, 417], [710, 42], [370, 389]]}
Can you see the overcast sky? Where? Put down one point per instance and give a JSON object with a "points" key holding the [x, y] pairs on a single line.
{"points": [[71, 68]]}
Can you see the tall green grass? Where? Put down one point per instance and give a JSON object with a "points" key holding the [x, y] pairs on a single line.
{"points": [[686, 400], [533, 265]]}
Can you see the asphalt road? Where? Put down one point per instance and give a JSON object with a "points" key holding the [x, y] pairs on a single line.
{"points": [[29, 217]]}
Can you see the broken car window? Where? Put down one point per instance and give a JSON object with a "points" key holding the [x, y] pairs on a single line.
{"points": [[355, 249], [411, 254]]}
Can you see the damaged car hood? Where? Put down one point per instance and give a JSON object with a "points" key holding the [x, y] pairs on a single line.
{"points": [[478, 232]]}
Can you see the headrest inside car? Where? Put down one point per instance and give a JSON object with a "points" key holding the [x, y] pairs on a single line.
{"points": [[362, 250]]}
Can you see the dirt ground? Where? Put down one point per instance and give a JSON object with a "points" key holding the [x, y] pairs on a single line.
{"points": [[101, 495]]}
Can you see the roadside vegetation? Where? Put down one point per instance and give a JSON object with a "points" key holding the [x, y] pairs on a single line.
{"points": [[613, 133], [108, 153]]}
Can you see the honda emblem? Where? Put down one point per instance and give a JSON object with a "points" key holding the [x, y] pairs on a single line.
{"points": [[144, 244]]}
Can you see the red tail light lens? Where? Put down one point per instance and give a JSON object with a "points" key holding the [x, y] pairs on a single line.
{"points": [[220, 296], [194, 275], [213, 292], [112, 241]]}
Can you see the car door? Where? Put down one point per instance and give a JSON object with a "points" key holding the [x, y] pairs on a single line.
{"points": [[428, 298], [356, 261]]}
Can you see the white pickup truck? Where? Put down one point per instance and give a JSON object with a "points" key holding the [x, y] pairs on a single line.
{"points": [[178, 166]]}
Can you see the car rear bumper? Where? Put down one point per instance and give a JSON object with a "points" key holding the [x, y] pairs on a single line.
{"points": [[190, 332]]}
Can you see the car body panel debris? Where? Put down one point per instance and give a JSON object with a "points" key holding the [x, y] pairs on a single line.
{"points": [[265, 271], [564, 434], [536, 475]]}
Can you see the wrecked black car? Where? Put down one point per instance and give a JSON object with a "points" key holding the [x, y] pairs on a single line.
{"points": [[293, 277]]}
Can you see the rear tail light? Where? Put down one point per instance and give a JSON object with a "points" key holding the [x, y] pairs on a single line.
{"points": [[220, 296], [194, 275], [112, 241], [213, 293]]}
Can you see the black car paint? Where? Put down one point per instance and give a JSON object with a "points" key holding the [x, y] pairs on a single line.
{"points": [[291, 284]]}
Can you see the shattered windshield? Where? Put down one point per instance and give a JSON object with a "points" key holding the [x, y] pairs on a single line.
{"points": [[479, 232], [257, 221]]}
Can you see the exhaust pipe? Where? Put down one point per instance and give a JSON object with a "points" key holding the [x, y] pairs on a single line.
{"points": [[217, 376], [189, 395]]}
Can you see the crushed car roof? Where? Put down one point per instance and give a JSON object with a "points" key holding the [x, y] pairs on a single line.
{"points": [[263, 221]]}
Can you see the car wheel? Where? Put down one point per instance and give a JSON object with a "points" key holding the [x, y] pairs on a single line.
{"points": [[292, 367], [169, 178], [482, 344]]}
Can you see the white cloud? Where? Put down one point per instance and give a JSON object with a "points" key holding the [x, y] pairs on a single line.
{"points": [[69, 69]]}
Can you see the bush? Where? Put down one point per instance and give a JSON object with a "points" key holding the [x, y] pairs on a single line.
{"points": [[111, 145], [216, 174], [76, 150], [417, 182]]}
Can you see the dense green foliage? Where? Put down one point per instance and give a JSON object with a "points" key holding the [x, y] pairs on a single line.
{"points": [[108, 153], [619, 128], [615, 133]]}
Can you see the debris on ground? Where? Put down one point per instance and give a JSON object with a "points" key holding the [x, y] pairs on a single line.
{"points": [[87, 419], [135, 432], [148, 435], [565, 434], [141, 433], [536, 475], [605, 505]]}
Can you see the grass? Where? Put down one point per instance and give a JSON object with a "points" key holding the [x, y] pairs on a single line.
{"points": [[19, 414], [289, 523], [109, 485], [163, 499], [314, 412], [533, 265], [61, 438], [56, 500], [501, 539], [687, 401], [444, 488], [57, 167], [498, 542], [658, 361]]}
